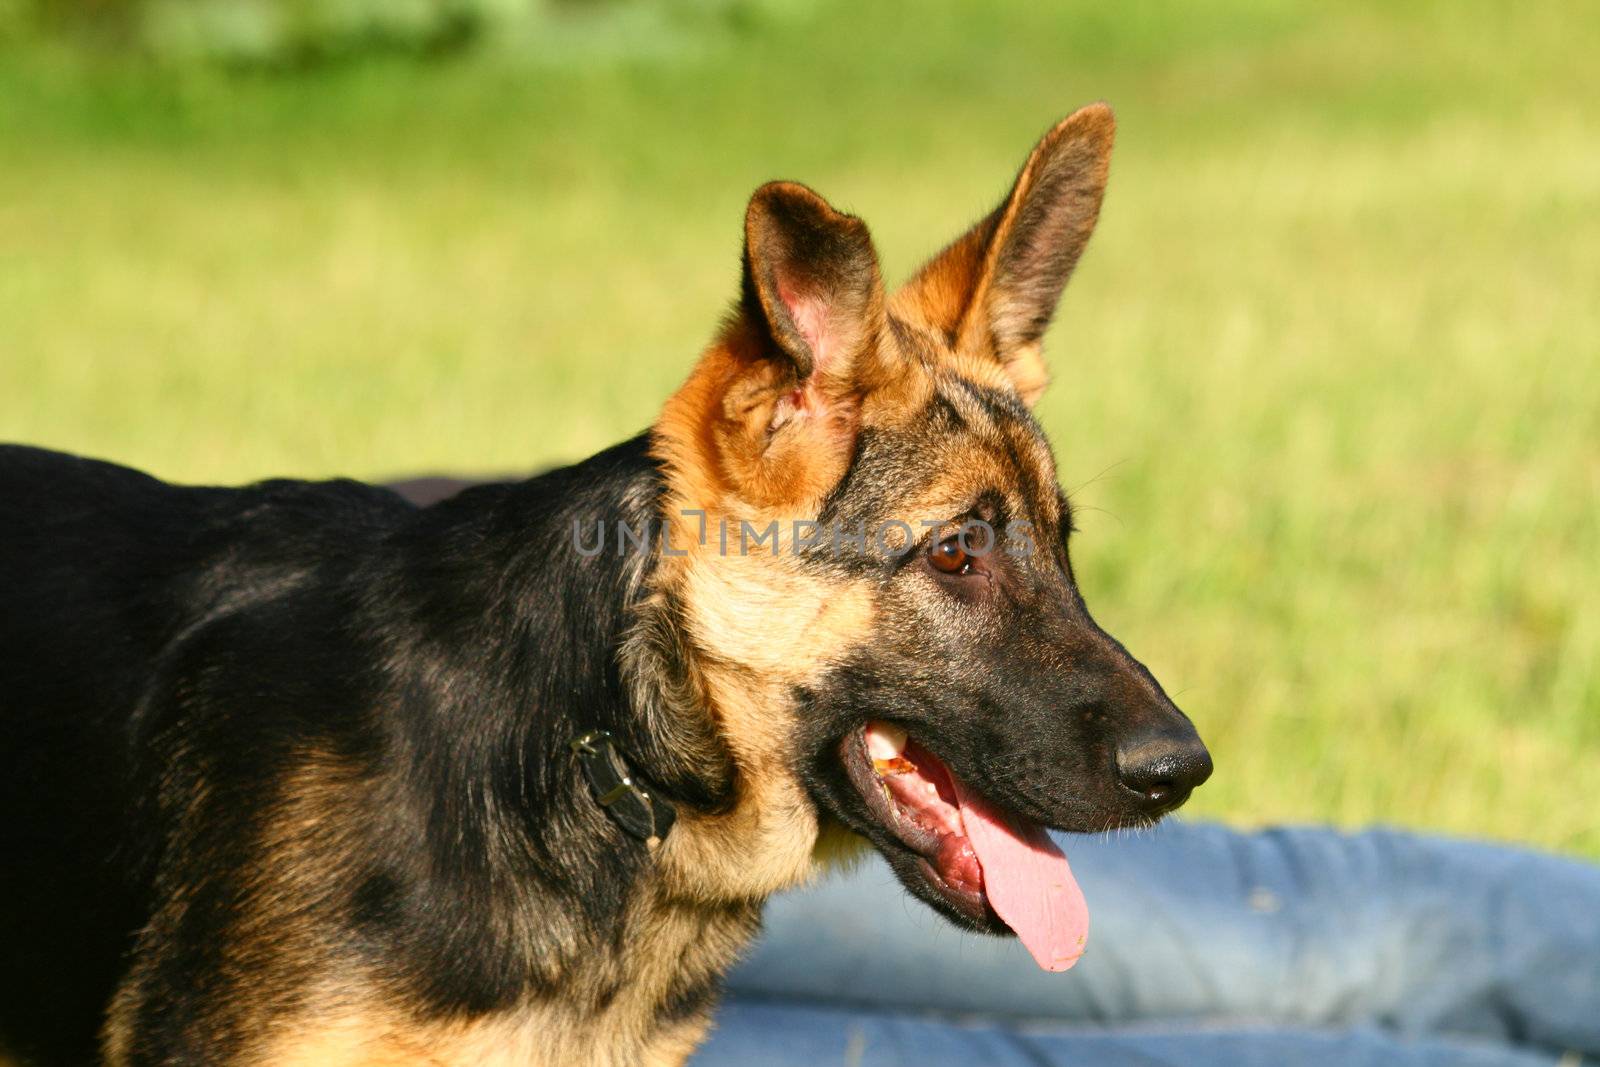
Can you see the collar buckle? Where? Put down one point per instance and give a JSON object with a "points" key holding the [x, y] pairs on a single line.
{"points": [[638, 811]]}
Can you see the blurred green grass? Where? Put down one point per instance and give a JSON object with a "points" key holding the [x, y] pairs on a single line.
{"points": [[1327, 382]]}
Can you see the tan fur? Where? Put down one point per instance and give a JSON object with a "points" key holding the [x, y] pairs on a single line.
{"points": [[758, 625], [352, 1021], [670, 943]]}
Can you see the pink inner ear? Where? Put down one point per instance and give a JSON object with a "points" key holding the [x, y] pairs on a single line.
{"points": [[810, 315]]}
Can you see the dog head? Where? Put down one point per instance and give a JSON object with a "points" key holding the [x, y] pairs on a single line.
{"points": [[874, 582]]}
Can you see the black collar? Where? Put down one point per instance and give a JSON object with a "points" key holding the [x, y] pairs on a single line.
{"points": [[643, 813]]}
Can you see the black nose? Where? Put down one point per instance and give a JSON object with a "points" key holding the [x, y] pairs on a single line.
{"points": [[1163, 769]]}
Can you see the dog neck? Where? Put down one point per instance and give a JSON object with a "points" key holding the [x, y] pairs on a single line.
{"points": [[524, 638]]}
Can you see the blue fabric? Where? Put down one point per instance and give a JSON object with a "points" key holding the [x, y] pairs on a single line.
{"points": [[758, 1034], [1374, 947]]}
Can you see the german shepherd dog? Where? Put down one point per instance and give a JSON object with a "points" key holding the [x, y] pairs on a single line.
{"points": [[301, 773]]}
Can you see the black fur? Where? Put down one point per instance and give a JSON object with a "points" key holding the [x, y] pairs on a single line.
{"points": [[170, 656], [1017, 689]]}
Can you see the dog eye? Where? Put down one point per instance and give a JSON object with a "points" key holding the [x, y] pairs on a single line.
{"points": [[949, 557]]}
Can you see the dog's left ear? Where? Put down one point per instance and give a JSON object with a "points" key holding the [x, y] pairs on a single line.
{"points": [[772, 410], [991, 293], [810, 282]]}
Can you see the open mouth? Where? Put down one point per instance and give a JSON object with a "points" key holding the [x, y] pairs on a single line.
{"points": [[982, 861]]}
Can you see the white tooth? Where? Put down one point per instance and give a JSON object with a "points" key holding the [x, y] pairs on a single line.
{"points": [[884, 740]]}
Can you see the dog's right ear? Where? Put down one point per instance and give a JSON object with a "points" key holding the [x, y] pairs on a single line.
{"points": [[772, 409], [991, 293]]}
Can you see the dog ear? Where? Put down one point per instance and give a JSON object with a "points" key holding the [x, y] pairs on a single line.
{"points": [[811, 279], [778, 396], [991, 293]]}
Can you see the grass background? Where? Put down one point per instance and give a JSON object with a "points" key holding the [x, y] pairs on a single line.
{"points": [[1328, 380]]}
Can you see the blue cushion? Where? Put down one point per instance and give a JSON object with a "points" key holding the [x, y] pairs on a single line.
{"points": [[1417, 937], [774, 1034]]}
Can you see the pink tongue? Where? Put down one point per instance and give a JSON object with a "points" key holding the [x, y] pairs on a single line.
{"points": [[1028, 883]]}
